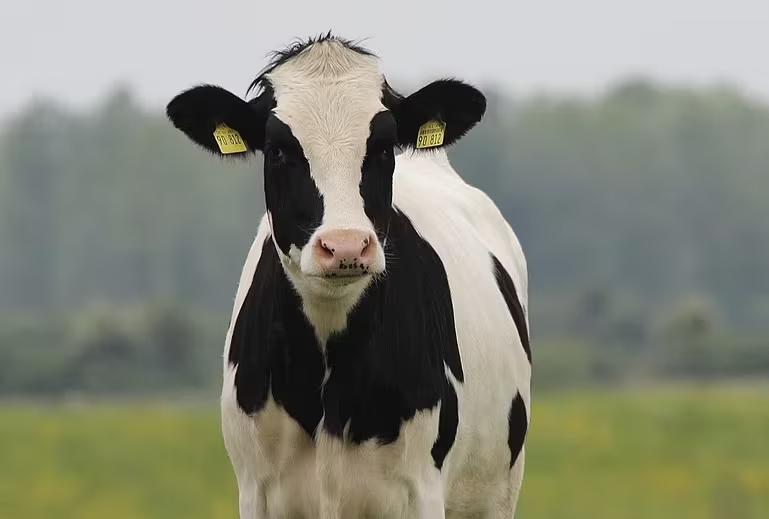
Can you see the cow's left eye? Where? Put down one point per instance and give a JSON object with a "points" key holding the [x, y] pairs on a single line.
{"points": [[276, 154], [381, 151]]}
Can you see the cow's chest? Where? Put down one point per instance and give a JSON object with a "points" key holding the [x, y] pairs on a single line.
{"points": [[363, 382], [342, 389]]}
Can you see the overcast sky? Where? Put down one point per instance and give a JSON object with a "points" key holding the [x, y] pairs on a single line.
{"points": [[76, 50]]}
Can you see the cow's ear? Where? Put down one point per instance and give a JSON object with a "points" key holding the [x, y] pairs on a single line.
{"points": [[438, 114], [220, 121]]}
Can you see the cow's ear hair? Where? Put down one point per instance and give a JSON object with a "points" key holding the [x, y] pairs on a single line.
{"points": [[199, 111], [456, 104]]}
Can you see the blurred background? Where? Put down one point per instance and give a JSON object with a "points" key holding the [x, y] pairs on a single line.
{"points": [[626, 143]]}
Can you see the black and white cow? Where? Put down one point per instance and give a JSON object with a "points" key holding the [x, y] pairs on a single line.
{"points": [[377, 362]]}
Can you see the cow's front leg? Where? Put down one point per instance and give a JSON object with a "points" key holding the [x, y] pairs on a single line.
{"points": [[328, 465], [427, 497], [241, 439], [251, 500]]}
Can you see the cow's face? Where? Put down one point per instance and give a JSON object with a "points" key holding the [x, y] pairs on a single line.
{"points": [[329, 159], [328, 125]]}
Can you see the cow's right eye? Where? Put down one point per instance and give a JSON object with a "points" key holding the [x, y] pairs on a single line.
{"points": [[276, 155], [380, 150]]}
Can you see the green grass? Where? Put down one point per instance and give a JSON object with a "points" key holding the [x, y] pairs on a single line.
{"points": [[676, 453], [673, 453]]}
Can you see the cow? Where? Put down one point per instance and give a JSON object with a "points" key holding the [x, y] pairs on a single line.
{"points": [[377, 362]]}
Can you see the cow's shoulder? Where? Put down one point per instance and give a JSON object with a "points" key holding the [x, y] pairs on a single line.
{"points": [[272, 347]]}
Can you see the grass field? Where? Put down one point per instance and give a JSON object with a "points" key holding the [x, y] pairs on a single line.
{"points": [[674, 453]]}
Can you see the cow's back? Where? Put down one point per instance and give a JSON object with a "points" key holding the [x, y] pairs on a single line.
{"points": [[467, 231]]}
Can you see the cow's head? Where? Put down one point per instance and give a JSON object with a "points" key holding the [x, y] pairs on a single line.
{"points": [[328, 124]]}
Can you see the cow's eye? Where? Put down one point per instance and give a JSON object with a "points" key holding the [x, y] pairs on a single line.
{"points": [[276, 154], [381, 151]]}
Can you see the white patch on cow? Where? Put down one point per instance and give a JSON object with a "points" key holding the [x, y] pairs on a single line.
{"points": [[328, 95]]}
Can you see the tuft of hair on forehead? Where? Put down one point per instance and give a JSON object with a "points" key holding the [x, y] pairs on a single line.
{"points": [[294, 49]]}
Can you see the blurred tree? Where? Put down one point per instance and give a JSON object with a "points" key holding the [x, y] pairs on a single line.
{"points": [[628, 205], [30, 206]]}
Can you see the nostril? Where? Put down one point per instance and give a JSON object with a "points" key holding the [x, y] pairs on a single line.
{"points": [[326, 250], [368, 247]]}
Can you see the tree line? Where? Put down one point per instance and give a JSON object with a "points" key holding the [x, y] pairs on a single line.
{"points": [[643, 213]]}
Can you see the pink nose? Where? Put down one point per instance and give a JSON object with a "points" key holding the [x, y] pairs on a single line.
{"points": [[345, 252]]}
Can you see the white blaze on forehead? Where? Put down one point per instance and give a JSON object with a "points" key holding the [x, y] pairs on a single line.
{"points": [[328, 95]]}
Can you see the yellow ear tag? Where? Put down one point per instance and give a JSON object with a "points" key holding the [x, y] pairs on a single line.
{"points": [[229, 140], [431, 134]]}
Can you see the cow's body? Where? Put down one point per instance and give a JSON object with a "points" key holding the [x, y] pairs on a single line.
{"points": [[283, 471], [377, 363]]}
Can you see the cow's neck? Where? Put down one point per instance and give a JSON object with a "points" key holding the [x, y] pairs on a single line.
{"points": [[328, 316]]}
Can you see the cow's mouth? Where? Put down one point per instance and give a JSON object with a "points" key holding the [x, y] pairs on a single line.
{"points": [[336, 278], [336, 286]]}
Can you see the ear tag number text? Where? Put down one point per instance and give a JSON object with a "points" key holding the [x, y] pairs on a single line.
{"points": [[431, 134], [229, 140]]}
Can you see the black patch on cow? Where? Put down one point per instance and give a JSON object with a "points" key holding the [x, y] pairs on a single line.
{"points": [[453, 102], [518, 424], [376, 185], [290, 193], [390, 361], [274, 347], [447, 424], [506, 286]]}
